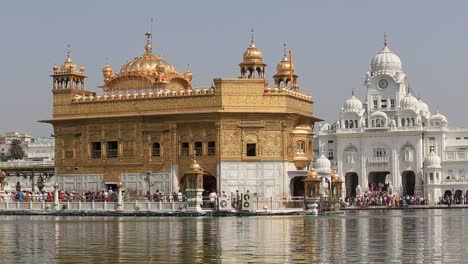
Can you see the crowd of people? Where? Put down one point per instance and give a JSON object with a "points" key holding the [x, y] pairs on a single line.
{"points": [[109, 195], [456, 199], [383, 198]]}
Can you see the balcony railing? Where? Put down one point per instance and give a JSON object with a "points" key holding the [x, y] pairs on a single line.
{"points": [[24, 163], [456, 155], [455, 180], [377, 160]]}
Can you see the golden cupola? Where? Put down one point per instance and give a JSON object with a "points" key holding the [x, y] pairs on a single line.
{"points": [[147, 63], [188, 75], [68, 67], [106, 72], [68, 75], [252, 66], [145, 71], [285, 72]]}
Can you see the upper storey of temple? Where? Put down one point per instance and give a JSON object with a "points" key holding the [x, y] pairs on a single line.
{"points": [[152, 86]]}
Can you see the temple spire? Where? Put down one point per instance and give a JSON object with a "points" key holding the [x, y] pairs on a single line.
{"points": [[68, 53], [385, 39], [284, 51], [251, 36], [149, 42]]}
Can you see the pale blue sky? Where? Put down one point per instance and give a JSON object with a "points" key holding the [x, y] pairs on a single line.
{"points": [[333, 44]]}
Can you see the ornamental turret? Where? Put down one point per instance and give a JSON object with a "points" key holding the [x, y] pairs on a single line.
{"points": [[252, 66], [68, 76], [285, 76]]}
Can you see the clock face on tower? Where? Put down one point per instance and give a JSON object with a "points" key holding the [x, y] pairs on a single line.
{"points": [[383, 83]]}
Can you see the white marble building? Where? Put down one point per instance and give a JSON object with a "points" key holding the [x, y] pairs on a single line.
{"points": [[391, 138]]}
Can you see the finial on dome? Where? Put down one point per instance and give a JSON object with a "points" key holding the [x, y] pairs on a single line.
{"points": [[148, 46], [284, 51], [68, 53], [352, 91], [385, 39], [251, 36]]}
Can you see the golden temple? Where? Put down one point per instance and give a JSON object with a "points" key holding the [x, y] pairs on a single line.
{"points": [[149, 122]]}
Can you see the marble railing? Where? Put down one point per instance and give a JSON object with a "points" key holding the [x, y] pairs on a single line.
{"points": [[455, 180], [26, 163], [456, 155], [377, 160]]}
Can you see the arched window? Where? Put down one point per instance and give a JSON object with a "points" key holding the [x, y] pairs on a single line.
{"points": [[351, 124], [373, 123], [355, 124], [156, 150], [412, 121], [346, 124], [300, 146]]}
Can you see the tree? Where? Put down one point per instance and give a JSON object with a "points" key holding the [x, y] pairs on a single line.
{"points": [[16, 150]]}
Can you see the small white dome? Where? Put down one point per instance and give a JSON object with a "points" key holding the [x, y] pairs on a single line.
{"points": [[353, 104], [386, 61], [432, 161], [323, 165], [325, 127], [438, 118], [424, 108], [410, 102]]}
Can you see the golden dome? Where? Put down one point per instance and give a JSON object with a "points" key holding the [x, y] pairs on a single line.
{"points": [[188, 75], [334, 176], [148, 62], [284, 67], [312, 174], [253, 55], [107, 71], [68, 65]]}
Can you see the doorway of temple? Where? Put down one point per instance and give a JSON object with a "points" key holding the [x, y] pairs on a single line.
{"points": [[408, 181], [377, 180], [297, 186], [351, 182], [209, 184]]}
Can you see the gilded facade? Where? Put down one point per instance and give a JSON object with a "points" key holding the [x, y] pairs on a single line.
{"points": [[149, 123]]}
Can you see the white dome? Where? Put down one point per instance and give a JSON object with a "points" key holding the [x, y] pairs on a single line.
{"points": [[325, 127], [432, 161], [438, 117], [353, 104], [323, 165], [386, 61], [409, 102], [424, 108]]}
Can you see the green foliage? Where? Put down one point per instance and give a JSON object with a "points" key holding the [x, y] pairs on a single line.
{"points": [[16, 150]]}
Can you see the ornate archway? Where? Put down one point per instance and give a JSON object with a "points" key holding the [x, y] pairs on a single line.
{"points": [[408, 182], [297, 186], [377, 180], [351, 182]]}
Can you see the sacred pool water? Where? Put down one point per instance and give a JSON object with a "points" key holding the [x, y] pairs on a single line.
{"points": [[409, 236]]}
